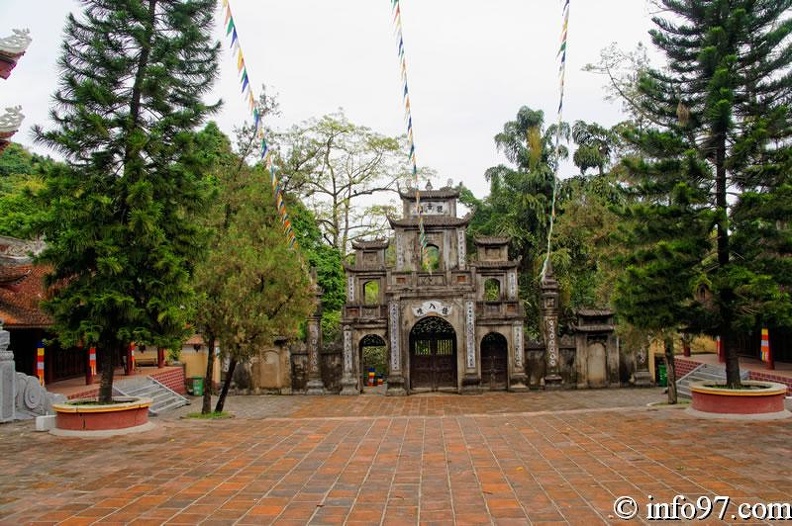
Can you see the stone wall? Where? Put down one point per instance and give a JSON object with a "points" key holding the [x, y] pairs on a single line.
{"points": [[330, 363]]}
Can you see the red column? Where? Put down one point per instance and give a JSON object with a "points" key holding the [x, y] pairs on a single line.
{"points": [[160, 357], [719, 347], [90, 371], [130, 359]]}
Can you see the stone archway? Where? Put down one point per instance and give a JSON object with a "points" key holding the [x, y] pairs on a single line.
{"points": [[373, 354], [494, 362], [433, 355]]}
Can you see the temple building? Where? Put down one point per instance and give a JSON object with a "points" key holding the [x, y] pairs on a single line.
{"points": [[11, 50], [447, 324]]}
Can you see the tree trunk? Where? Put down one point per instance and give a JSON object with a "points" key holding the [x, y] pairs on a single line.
{"points": [[108, 368], [670, 369], [726, 294], [226, 385], [206, 408]]}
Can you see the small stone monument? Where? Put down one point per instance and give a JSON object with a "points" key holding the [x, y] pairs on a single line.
{"points": [[7, 378], [550, 313], [315, 385]]}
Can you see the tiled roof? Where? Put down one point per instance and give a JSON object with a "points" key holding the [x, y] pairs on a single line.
{"points": [[492, 240], [370, 244], [443, 193], [430, 220], [19, 301]]}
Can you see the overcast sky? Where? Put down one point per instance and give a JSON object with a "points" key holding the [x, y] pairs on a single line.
{"points": [[471, 65]]}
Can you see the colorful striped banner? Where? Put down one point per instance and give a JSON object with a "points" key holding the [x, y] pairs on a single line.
{"points": [[266, 153], [765, 349], [397, 22], [561, 76]]}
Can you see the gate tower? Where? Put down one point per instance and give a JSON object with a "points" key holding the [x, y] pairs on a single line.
{"points": [[448, 324]]}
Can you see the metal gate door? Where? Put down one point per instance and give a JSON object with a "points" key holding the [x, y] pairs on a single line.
{"points": [[433, 360], [494, 361]]}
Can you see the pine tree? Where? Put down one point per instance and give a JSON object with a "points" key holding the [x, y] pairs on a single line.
{"points": [[721, 126], [121, 234]]}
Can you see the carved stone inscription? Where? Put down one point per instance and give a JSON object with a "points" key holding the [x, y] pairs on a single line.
{"points": [[470, 335], [350, 289], [552, 343], [518, 347], [313, 346], [395, 328], [461, 248], [347, 350], [432, 307]]}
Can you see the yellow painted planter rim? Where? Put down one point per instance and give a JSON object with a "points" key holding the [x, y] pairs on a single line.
{"points": [[102, 408], [772, 388]]}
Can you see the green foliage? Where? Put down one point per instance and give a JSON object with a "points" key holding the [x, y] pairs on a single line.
{"points": [[582, 243], [720, 115], [20, 180], [254, 287], [334, 165], [520, 199], [325, 260], [122, 232]]}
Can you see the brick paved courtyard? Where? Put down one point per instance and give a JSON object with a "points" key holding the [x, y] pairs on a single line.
{"points": [[500, 458]]}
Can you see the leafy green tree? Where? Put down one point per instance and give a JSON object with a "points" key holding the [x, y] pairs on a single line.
{"points": [[122, 232], [253, 286], [720, 125], [520, 199], [582, 240], [595, 146], [334, 166], [20, 180]]}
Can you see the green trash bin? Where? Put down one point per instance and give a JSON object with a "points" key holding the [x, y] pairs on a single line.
{"points": [[197, 385], [662, 375]]}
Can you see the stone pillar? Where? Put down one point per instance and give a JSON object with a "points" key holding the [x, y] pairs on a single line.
{"points": [[7, 378], [395, 373], [315, 385], [518, 380], [643, 377], [349, 385], [471, 382], [550, 312]]}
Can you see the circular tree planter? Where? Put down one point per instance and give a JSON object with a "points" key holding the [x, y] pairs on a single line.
{"points": [[126, 414], [756, 399]]}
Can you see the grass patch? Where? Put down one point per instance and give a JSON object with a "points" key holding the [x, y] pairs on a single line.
{"points": [[210, 416]]}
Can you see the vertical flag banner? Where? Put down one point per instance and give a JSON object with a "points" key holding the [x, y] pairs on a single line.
{"points": [[40, 362], [766, 352], [249, 97], [397, 23], [561, 76], [765, 346], [92, 360]]}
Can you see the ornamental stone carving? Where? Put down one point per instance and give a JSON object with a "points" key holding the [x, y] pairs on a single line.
{"points": [[11, 119], [17, 43]]}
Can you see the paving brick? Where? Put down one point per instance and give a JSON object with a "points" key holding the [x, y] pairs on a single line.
{"points": [[498, 458]]}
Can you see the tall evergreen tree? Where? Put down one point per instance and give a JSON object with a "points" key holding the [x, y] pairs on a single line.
{"points": [[721, 126], [122, 235], [520, 199]]}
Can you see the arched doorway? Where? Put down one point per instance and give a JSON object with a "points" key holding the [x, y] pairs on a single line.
{"points": [[373, 359], [494, 361], [433, 357]]}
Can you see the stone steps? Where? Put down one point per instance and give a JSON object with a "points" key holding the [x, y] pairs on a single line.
{"points": [[703, 373], [165, 399]]}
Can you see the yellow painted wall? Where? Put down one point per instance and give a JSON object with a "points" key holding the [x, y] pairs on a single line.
{"points": [[699, 345], [195, 363]]}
